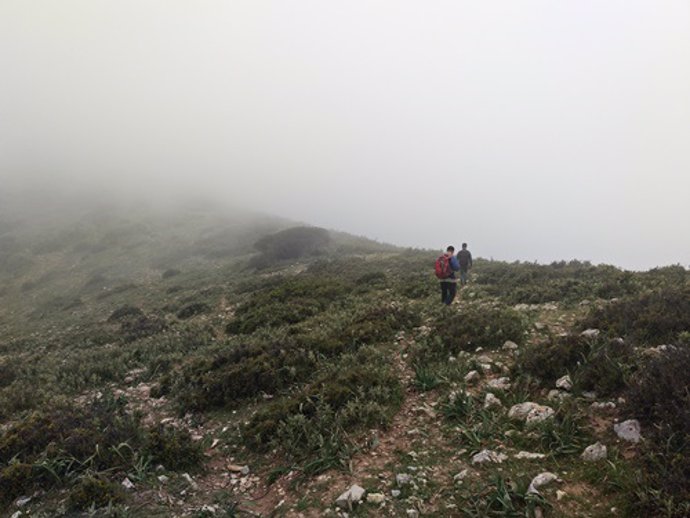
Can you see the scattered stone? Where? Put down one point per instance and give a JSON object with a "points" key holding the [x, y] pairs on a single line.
{"points": [[628, 430], [588, 394], [560, 495], [485, 456], [403, 479], [499, 383], [412, 513], [22, 501], [353, 495], [557, 395], [529, 455], [459, 477], [16, 514], [234, 468], [395, 493], [510, 346], [491, 401], [486, 367], [215, 443], [539, 326], [530, 412], [376, 498], [163, 479], [127, 483], [594, 452], [564, 383], [540, 481], [190, 481], [211, 509], [606, 405], [472, 377], [590, 333], [484, 359]]}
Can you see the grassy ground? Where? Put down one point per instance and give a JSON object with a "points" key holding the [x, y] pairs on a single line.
{"points": [[215, 389]]}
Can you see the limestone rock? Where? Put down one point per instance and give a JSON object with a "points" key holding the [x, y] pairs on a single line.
{"points": [[541, 480], [472, 377], [594, 452], [353, 495], [499, 384], [510, 346], [485, 456], [491, 401], [376, 498], [530, 412], [590, 333], [564, 383], [628, 430]]}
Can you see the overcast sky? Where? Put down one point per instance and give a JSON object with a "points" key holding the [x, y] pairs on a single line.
{"points": [[534, 130]]}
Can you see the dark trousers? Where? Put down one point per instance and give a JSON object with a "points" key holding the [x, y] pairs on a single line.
{"points": [[448, 291]]}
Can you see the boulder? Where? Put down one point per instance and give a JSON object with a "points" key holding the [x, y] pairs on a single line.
{"points": [[594, 452], [499, 384], [403, 479], [376, 498], [530, 412], [491, 401], [628, 430], [485, 456], [472, 377], [564, 383], [529, 455], [540, 481], [510, 346], [590, 333], [353, 495]]}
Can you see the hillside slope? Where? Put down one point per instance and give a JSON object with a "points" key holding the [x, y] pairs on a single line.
{"points": [[147, 370]]}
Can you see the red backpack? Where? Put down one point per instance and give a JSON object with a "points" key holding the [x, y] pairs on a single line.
{"points": [[443, 270]]}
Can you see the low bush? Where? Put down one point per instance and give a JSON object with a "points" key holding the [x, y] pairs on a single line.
{"points": [[475, 326], [292, 301], [193, 309], [57, 446], [602, 365], [356, 392], [653, 318], [292, 243], [125, 312], [93, 492], [659, 396]]}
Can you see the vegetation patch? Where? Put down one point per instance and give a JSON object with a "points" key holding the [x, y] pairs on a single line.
{"points": [[659, 396], [654, 317], [313, 426]]}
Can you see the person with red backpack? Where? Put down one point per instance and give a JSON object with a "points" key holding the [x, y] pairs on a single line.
{"points": [[446, 266]]}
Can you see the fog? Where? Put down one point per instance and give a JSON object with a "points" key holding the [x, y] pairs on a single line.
{"points": [[533, 130]]}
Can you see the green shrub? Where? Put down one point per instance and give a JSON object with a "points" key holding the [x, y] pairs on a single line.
{"points": [[292, 243], [659, 396], [94, 492], [172, 448], [193, 309], [654, 317], [476, 326], [357, 392], [600, 364], [124, 312], [16, 479], [290, 302]]}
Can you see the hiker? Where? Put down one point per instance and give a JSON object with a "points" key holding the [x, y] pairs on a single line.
{"points": [[446, 266], [465, 260]]}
